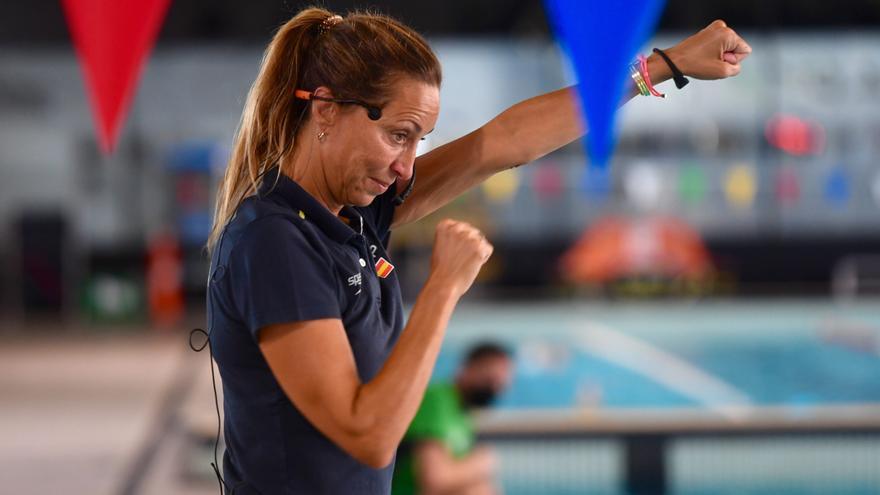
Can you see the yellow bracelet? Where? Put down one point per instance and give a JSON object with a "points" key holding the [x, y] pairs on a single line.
{"points": [[639, 80]]}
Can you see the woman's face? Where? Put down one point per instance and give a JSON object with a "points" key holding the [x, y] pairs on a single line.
{"points": [[367, 157]]}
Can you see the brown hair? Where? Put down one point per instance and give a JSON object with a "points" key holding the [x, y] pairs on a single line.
{"points": [[358, 57]]}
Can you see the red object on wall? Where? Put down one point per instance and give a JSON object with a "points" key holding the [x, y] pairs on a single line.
{"points": [[787, 187], [112, 39], [165, 281], [795, 136]]}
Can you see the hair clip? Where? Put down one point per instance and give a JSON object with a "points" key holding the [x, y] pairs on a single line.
{"points": [[328, 23]]}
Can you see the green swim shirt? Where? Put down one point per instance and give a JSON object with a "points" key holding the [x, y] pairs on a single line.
{"points": [[440, 417]]}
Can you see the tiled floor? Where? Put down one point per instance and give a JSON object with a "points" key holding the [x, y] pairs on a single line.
{"points": [[104, 414]]}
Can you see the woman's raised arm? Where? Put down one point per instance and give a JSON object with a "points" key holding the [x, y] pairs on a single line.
{"points": [[535, 127]]}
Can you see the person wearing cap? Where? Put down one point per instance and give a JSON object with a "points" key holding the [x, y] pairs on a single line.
{"points": [[321, 371]]}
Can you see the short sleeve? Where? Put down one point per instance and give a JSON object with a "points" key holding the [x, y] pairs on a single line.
{"points": [[278, 276]]}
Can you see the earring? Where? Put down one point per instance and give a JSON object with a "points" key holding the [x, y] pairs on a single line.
{"points": [[321, 136]]}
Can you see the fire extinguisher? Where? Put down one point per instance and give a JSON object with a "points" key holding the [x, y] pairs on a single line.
{"points": [[165, 280]]}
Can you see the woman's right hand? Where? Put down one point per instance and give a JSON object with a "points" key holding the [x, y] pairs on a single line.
{"points": [[460, 250], [715, 52]]}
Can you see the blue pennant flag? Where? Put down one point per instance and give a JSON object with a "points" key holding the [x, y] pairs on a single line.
{"points": [[601, 38]]}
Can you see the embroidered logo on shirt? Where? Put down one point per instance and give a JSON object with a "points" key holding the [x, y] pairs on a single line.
{"points": [[383, 268], [355, 281]]}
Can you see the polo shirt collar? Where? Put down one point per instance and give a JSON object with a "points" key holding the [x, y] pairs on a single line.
{"points": [[310, 209]]}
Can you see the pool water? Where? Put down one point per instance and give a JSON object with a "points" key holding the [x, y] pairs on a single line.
{"points": [[784, 358]]}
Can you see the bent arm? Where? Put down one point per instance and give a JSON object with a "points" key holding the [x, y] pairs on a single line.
{"points": [[315, 367], [521, 134], [537, 126]]}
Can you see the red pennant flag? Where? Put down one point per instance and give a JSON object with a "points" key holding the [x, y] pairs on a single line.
{"points": [[112, 39]]}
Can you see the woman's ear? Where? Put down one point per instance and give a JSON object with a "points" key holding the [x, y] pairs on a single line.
{"points": [[324, 113]]}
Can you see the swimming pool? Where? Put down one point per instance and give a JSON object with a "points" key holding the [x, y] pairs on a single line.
{"points": [[620, 355], [798, 355]]}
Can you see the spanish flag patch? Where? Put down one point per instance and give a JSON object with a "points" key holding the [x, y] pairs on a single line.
{"points": [[383, 268]]}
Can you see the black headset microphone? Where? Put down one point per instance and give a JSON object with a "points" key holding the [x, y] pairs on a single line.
{"points": [[400, 198], [373, 113]]}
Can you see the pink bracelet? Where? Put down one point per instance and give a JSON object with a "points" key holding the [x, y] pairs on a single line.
{"points": [[643, 64]]}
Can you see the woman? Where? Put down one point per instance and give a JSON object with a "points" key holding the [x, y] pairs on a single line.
{"points": [[321, 376]]}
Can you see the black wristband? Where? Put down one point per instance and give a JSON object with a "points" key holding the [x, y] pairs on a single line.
{"points": [[677, 75]]}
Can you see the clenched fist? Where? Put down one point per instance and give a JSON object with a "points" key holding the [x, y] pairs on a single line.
{"points": [[460, 250], [715, 52]]}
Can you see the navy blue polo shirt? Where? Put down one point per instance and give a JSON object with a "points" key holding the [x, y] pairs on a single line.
{"points": [[285, 258]]}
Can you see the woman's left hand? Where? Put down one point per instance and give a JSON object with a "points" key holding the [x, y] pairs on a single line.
{"points": [[715, 52]]}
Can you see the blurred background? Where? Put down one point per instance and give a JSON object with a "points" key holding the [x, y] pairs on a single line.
{"points": [[703, 321]]}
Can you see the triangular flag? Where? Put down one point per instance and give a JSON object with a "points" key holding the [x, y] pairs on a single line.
{"points": [[601, 38], [112, 39]]}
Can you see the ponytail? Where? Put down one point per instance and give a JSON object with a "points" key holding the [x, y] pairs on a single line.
{"points": [[271, 115]]}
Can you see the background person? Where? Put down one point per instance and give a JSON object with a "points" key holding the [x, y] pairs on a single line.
{"points": [[438, 455]]}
